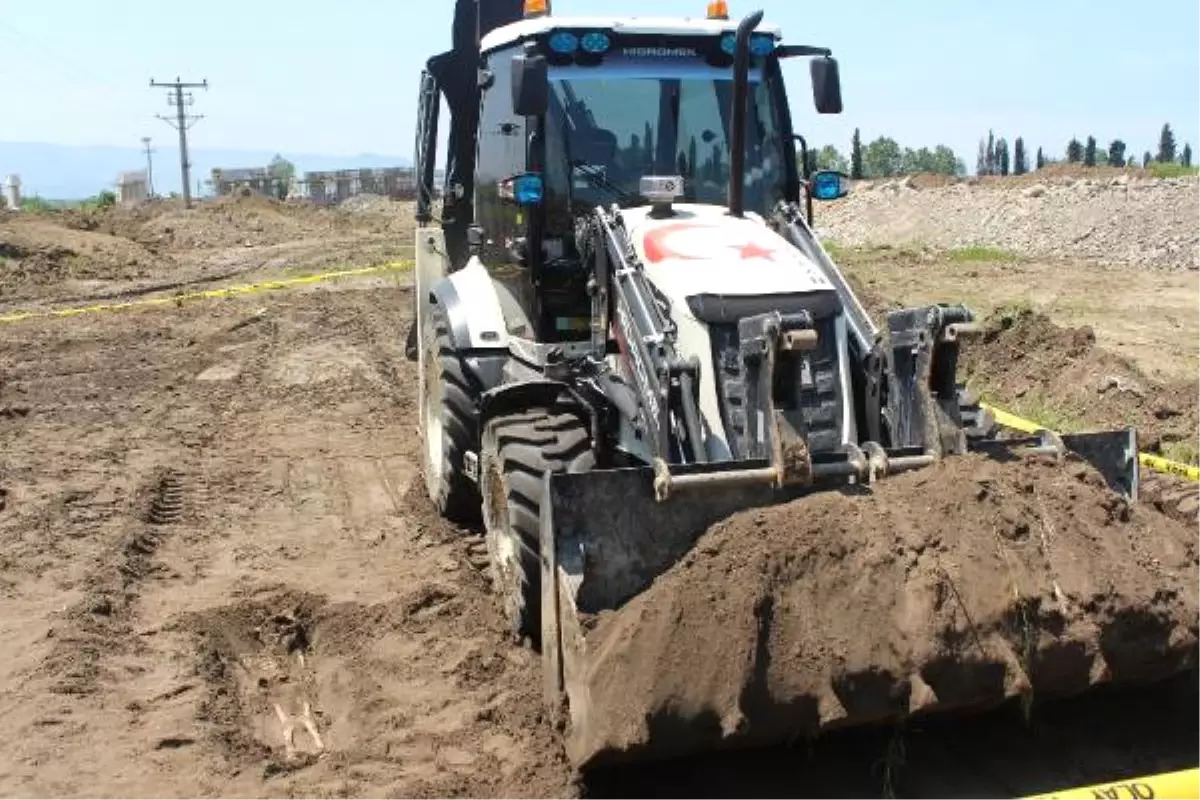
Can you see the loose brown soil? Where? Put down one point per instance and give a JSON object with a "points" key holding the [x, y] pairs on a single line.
{"points": [[957, 587], [79, 256], [1025, 356]]}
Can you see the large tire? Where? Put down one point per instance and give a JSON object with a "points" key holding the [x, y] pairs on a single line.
{"points": [[517, 450], [449, 423]]}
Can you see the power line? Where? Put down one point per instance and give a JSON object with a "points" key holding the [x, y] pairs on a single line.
{"points": [[181, 123]]}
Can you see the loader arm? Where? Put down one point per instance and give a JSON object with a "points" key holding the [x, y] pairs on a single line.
{"points": [[665, 384]]}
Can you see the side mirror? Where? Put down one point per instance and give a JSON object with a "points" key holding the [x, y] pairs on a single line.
{"points": [[827, 85], [530, 85], [826, 184]]}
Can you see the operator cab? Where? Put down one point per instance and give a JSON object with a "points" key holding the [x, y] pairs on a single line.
{"points": [[626, 99], [574, 113]]}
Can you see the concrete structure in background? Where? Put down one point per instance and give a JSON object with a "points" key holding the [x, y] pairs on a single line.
{"points": [[329, 187], [12, 192], [277, 179], [227, 181], [335, 186], [133, 187]]}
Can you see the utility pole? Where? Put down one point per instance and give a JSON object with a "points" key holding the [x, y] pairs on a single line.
{"points": [[149, 165], [181, 123]]}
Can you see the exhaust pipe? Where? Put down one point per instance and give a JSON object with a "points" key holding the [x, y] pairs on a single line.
{"points": [[741, 88]]}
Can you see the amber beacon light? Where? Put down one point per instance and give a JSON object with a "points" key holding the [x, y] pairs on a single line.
{"points": [[537, 8], [718, 9]]}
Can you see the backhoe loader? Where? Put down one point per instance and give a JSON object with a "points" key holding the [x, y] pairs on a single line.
{"points": [[627, 330]]}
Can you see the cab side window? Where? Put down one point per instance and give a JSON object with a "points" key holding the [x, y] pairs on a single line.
{"points": [[501, 154]]}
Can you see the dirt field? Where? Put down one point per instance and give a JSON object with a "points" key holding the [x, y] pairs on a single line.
{"points": [[213, 531]]}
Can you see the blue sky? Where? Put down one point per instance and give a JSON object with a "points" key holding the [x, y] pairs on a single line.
{"points": [[340, 77]]}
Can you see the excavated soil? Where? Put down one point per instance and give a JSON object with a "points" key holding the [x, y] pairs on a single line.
{"points": [[79, 256], [1025, 361], [960, 586], [1027, 356]]}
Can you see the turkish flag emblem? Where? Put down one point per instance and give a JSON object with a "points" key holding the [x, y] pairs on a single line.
{"points": [[707, 243]]}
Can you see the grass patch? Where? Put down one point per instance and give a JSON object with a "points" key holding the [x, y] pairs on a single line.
{"points": [[837, 252], [1183, 452], [872, 253], [1009, 314], [978, 253], [1034, 406], [1170, 169]]}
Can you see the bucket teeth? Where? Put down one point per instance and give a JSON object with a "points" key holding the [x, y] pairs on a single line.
{"points": [[1181, 640], [733, 723], [1017, 681], [921, 695], [1100, 673], [830, 709]]}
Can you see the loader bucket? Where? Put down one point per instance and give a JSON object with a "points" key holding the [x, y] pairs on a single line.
{"points": [[605, 538], [629, 671]]}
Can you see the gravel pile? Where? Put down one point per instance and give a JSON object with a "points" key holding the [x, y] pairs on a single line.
{"points": [[1117, 220]]}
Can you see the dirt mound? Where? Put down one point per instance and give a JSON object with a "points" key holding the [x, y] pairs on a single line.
{"points": [[959, 586], [38, 251], [236, 221], [1062, 373]]}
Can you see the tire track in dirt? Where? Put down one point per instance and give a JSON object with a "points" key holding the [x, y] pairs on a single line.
{"points": [[100, 625], [148, 490], [410, 681]]}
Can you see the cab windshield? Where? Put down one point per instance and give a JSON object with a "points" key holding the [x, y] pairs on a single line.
{"points": [[610, 125]]}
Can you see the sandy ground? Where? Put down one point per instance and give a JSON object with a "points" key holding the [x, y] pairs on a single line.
{"points": [[1151, 317], [206, 520], [213, 533]]}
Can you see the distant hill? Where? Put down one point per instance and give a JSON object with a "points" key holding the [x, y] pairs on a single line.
{"points": [[69, 172]]}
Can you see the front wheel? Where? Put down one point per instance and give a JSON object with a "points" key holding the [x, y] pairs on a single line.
{"points": [[517, 450], [449, 422]]}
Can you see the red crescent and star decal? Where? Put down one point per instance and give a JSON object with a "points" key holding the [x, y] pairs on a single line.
{"points": [[707, 243]]}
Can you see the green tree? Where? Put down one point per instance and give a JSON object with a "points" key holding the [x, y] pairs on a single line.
{"points": [[1041, 159], [281, 171], [1116, 153], [1002, 158], [1166, 145], [915, 161], [1145, 159], [1074, 151], [882, 158], [990, 156], [1185, 157], [945, 162], [1020, 158], [981, 159], [1089, 152], [856, 157], [828, 157]]}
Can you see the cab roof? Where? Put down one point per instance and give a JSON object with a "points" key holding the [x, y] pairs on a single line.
{"points": [[670, 26]]}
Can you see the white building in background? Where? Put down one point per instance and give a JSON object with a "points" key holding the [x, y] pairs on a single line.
{"points": [[12, 192], [132, 187]]}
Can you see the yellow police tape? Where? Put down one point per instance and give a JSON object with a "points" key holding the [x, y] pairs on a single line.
{"points": [[229, 291], [1184, 785], [1153, 462]]}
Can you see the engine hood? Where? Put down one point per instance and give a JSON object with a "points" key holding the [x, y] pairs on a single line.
{"points": [[703, 250]]}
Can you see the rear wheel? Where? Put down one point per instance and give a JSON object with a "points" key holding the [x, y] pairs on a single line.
{"points": [[517, 450], [449, 422]]}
